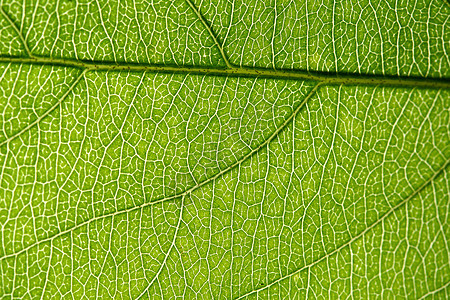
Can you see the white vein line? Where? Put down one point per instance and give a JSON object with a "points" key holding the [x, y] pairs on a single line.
{"points": [[232, 166], [387, 214], [69, 90], [435, 291]]}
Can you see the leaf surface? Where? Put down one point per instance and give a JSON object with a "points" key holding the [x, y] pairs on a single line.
{"points": [[224, 149]]}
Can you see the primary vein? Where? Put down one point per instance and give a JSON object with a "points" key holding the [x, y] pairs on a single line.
{"points": [[324, 77]]}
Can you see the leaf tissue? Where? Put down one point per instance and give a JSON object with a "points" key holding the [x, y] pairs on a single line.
{"points": [[224, 149]]}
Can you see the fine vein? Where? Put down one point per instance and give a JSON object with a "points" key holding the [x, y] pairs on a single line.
{"points": [[355, 238], [187, 191], [47, 112]]}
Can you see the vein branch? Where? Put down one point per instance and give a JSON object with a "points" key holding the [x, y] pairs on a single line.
{"points": [[211, 33], [19, 32]]}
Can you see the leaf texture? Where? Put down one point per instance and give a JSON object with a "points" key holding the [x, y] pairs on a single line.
{"points": [[224, 149]]}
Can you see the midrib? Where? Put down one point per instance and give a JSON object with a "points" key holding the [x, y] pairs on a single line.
{"points": [[324, 77]]}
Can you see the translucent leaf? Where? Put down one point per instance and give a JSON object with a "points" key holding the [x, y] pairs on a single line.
{"points": [[224, 149]]}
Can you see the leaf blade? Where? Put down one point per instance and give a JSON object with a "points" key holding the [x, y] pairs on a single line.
{"points": [[260, 173]]}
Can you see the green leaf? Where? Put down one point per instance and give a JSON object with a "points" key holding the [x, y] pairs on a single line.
{"points": [[224, 149]]}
